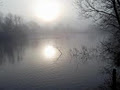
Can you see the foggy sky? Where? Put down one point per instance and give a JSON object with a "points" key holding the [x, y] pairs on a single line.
{"points": [[25, 8]]}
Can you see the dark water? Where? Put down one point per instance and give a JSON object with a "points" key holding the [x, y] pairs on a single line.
{"points": [[23, 64]]}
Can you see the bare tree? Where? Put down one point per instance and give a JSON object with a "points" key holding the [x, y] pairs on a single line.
{"points": [[106, 13]]}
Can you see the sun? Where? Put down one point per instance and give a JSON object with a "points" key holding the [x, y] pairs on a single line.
{"points": [[48, 10]]}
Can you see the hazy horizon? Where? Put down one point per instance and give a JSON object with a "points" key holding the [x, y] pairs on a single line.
{"points": [[69, 16]]}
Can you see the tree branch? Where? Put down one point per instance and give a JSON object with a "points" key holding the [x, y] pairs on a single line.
{"points": [[99, 11], [116, 12], [118, 2]]}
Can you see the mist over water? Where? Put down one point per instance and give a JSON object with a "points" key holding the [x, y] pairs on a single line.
{"points": [[57, 44], [23, 65]]}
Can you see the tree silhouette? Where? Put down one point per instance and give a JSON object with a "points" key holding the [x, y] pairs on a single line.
{"points": [[106, 13]]}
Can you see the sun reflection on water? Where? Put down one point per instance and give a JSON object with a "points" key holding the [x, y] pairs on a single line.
{"points": [[50, 51]]}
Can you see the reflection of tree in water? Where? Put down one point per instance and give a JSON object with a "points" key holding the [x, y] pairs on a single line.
{"points": [[11, 51], [84, 54]]}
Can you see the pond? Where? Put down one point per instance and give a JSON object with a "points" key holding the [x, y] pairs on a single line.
{"points": [[45, 63]]}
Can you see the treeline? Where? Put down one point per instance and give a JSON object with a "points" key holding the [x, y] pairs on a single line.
{"points": [[12, 27]]}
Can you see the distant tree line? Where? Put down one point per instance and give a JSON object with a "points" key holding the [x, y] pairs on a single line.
{"points": [[12, 27]]}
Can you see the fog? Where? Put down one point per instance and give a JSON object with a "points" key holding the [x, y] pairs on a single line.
{"points": [[69, 17], [56, 48]]}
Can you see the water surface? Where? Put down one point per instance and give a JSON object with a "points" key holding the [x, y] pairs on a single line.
{"points": [[24, 65]]}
